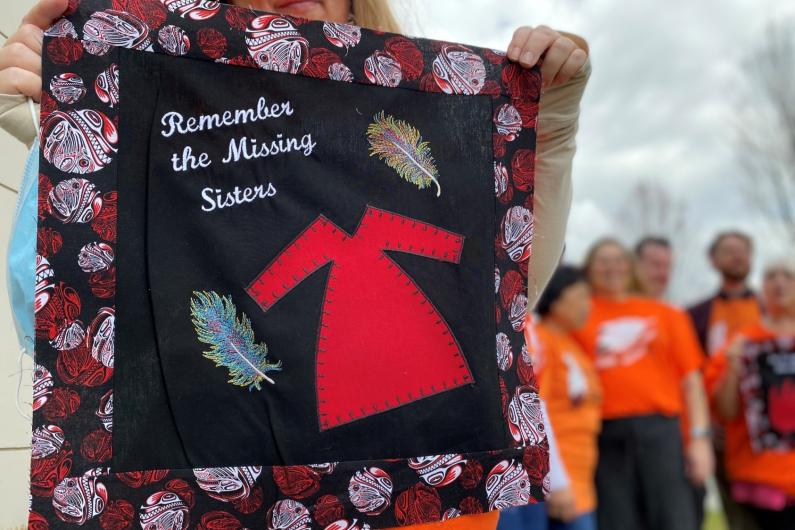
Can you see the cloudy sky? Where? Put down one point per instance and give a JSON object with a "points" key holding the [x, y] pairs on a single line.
{"points": [[662, 106]]}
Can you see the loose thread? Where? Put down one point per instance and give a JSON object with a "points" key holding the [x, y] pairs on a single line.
{"points": [[18, 401]]}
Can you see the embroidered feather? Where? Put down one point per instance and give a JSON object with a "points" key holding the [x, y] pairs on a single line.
{"points": [[401, 147], [231, 339]]}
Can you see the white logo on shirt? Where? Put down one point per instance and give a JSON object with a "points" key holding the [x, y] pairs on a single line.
{"points": [[624, 341], [575, 378]]}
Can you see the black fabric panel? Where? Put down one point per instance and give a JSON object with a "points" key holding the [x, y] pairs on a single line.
{"points": [[182, 249], [143, 422]]}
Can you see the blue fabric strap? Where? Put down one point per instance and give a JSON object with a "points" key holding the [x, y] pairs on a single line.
{"points": [[21, 264]]}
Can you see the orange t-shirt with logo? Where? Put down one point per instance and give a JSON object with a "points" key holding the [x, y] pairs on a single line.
{"points": [[743, 464], [642, 349], [570, 387]]}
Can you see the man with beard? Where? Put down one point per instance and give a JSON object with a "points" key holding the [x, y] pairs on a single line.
{"points": [[735, 305], [716, 319]]}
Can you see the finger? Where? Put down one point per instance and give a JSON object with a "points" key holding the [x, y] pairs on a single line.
{"points": [[19, 55], [518, 41], [579, 41], [18, 81], [570, 67], [736, 349], [29, 35], [537, 43], [45, 12], [556, 56]]}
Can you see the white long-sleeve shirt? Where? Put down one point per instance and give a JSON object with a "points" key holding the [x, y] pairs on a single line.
{"points": [[558, 477]]}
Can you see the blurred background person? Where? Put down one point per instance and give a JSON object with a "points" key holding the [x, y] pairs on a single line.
{"points": [[719, 317], [559, 497], [649, 371], [570, 388], [653, 264], [735, 305], [761, 470]]}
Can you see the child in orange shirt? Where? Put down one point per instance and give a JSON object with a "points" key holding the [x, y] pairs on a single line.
{"points": [[570, 387], [645, 353], [753, 390]]}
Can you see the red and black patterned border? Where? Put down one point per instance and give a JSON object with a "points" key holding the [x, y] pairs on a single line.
{"points": [[71, 483]]}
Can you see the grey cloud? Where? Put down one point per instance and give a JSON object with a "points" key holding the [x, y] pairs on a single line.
{"points": [[662, 101]]}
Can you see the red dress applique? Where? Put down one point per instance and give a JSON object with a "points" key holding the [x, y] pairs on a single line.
{"points": [[381, 342]]}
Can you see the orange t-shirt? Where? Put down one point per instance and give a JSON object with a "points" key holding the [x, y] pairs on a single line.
{"points": [[481, 521], [743, 464], [642, 349], [727, 317], [570, 387]]}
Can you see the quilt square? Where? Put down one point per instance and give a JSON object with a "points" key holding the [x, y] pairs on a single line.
{"points": [[281, 276], [767, 386]]}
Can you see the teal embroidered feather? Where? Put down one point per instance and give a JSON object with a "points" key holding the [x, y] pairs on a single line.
{"points": [[231, 339], [401, 147]]}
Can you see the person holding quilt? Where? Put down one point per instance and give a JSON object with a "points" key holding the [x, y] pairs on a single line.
{"points": [[565, 71], [752, 387]]}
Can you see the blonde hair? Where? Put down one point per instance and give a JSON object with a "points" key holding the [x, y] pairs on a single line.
{"points": [[590, 259], [375, 14], [784, 262], [590, 256], [371, 14]]}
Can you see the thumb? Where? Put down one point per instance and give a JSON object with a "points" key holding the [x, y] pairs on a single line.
{"points": [[45, 12]]}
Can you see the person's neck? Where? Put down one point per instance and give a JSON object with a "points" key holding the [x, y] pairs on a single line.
{"points": [[654, 294], [733, 287]]}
